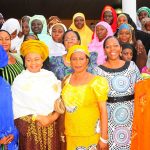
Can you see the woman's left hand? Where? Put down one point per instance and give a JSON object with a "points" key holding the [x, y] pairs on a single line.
{"points": [[140, 47], [7, 139], [10, 138]]}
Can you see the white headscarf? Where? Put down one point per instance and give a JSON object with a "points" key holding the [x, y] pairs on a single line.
{"points": [[43, 36], [21, 22], [57, 49], [42, 19], [61, 24], [35, 93], [10, 26]]}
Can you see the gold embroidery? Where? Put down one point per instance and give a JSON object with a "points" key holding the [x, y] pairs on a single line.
{"points": [[50, 135], [142, 102], [134, 132], [41, 135]]}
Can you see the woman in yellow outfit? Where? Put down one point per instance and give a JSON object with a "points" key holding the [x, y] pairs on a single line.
{"points": [[79, 25], [85, 98]]}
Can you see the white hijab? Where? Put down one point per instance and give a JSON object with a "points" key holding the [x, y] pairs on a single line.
{"points": [[10, 26], [57, 49], [35, 93]]}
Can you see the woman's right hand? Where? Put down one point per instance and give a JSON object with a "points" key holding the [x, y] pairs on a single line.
{"points": [[43, 120], [102, 146], [46, 120]]}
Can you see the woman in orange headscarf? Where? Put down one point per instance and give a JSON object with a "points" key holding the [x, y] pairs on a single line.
{"points": [[141, 130], [109, 15]]}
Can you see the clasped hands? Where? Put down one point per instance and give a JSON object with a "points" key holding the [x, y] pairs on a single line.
{"points": [[45, 121], [7, 139]]}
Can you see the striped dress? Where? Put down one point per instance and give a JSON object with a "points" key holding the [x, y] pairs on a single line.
{"points": [[10, 71]]}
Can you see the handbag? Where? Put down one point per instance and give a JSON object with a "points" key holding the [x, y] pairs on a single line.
{"points": [[59, 106]]}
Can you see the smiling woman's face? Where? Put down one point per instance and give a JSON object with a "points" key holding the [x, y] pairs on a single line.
{"points": [[125, 36], [36, 26], [33, 62], [5, 40], [79, 61], [70, 39], [112, 49]]}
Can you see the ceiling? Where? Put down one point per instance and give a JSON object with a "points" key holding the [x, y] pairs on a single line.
{"points": [[62, 8]]}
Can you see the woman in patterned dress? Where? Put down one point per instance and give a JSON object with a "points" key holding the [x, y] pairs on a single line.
{"points": [[15, 64], [58, 64], [85, 98], [121, 75]]}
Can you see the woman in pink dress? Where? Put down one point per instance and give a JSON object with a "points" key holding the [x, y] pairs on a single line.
{"points": [[102, 31]]}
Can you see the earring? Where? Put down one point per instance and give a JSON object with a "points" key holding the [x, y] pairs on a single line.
{"points": [[120, 54]]}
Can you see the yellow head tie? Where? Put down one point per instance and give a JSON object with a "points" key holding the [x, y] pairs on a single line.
{"points": [[76, 48]]}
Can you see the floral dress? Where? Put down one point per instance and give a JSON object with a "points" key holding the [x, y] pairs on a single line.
{"points": [[58, 67], [120, 103]]}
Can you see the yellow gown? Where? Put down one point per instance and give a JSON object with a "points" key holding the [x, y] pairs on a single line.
{"points": [[82, 112]]}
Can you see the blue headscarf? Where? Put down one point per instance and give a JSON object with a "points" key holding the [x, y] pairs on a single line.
{"points": [[6, 113], [125, 26]]}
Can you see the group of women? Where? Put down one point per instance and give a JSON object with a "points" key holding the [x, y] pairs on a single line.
{"points": [[94, 74]]}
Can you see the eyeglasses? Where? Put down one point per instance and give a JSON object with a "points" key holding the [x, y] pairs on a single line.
{"points": [[71, 40]]}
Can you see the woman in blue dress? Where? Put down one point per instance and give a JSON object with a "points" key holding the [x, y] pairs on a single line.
{"points": [[121, 75], [8, 131], [58, 64]]}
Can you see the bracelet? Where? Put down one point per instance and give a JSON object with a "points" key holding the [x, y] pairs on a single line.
{"points": [[34, 117], [62, 138], [103, 140]]}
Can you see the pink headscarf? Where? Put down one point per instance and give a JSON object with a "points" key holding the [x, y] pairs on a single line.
{"points": [[96, 46]]}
